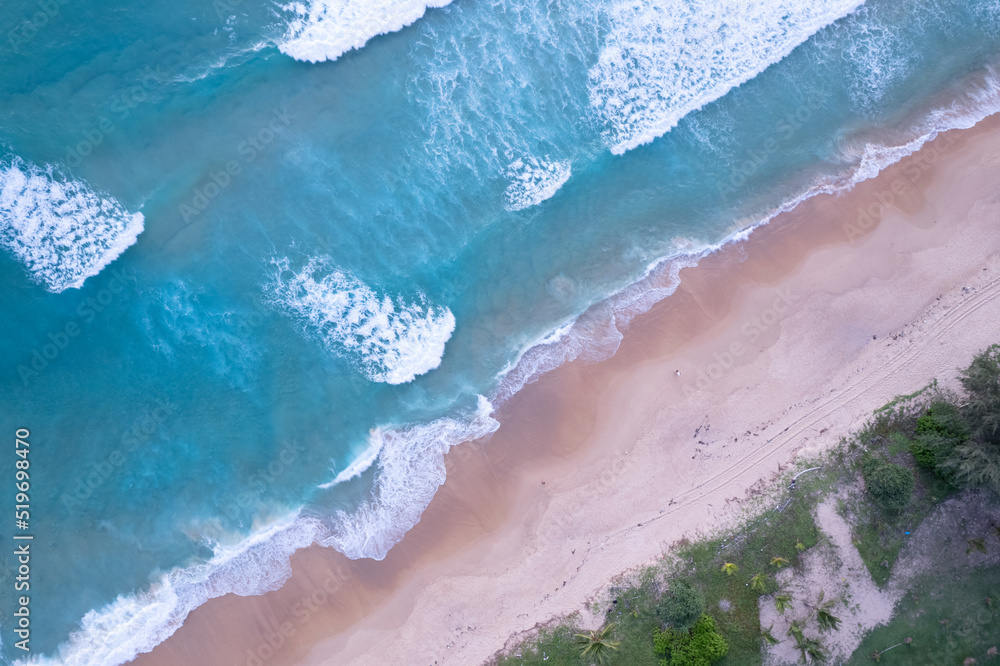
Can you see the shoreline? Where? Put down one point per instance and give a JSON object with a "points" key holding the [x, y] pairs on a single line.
{"points": [[510, 514]]}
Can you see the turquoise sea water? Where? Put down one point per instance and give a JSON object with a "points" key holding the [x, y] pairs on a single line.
{"points": [[260, 274]]}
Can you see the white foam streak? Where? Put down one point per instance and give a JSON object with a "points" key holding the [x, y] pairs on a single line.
{"points": [[388, 339], [60, 229], [361, 464], [534, 180], [326, 29], [663, 60], [410, 470]]}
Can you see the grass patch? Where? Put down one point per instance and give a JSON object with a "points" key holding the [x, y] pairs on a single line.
{"points": [[972, 626], [555, 646]]}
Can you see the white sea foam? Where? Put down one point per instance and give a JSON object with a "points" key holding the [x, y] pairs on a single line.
{"points": [[60, 229], [326, 29], [663, 60], [136, 623], [534, 180], [877, 56], [361, 463], [388, 339], [410, 470]]}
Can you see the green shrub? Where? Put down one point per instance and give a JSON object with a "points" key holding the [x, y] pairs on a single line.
{"points": [[974, 459], [944, 420], [923, 453], [681, 606], [930, 450], [889, 485], [981, 380], [974, 464], [698, 647]]}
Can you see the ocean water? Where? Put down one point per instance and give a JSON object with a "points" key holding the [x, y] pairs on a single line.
{"points": [[263, 264]]}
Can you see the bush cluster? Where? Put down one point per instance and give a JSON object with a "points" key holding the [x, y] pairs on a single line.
{"points": [[698, 647], [958, 442], [889, 485], [681, 606]]}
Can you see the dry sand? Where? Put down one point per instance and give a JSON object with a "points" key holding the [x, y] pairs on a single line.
{"points": [[596, 469]]}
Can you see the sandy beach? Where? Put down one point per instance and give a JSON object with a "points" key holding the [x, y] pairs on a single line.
{"points": [[784, 343]]}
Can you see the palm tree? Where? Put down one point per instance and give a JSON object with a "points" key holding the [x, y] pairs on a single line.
{"points": [[826, 619], [757, 583], [782, 602], [596, 645], [768, 636], [729, 568], [813, 648], [808, 647], [799, 546], [779, 562], [976, 544]]}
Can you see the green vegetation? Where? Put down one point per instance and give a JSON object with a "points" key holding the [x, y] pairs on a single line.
{"points": [[700, 646], [889, 485], [810, 649], [681, 605], [597, 645], [827, 621], [921, 449], [943, 620]]}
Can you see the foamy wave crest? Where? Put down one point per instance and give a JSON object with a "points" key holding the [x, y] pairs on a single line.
{"points": [[135, 624], [326, 29], [532, 181], [410, 469], [663, 60], [388, 339], [60, 229]]}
